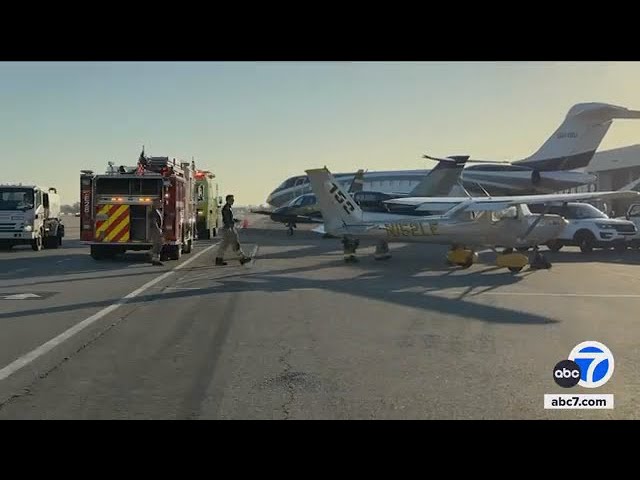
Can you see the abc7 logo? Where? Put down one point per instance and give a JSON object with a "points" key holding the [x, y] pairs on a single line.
{"points": [[590, 365], [566, 373]]}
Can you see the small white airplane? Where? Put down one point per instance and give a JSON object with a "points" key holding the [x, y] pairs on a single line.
{"points": [[465, 223]]}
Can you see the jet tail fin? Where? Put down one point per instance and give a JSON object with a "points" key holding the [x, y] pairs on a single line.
{"points": [[441, 179], [576, 140], [337, 207]]}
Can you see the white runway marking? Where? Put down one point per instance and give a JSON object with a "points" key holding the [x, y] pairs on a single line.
{"points": [[51, 344], [539, 294]]}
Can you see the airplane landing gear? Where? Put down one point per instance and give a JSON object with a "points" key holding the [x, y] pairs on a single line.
{"points": [[539, 262], [462, 257], [350, 246], [513, 261], [382, 251]]}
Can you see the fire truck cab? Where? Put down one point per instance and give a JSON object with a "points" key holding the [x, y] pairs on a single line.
{"points": [[116, 206]]}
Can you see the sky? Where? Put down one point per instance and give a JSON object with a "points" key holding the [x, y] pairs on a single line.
{"points": [[256, 123]]}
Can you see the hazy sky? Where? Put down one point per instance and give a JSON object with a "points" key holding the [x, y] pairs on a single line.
{"points": [[254, 124]]}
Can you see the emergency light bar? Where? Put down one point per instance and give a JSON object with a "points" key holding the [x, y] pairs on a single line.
{"points": [[134, 200]]}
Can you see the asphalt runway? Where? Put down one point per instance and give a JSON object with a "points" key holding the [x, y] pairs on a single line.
{"points": [[299, 334]]}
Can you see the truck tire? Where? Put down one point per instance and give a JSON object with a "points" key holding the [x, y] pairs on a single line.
{"points": [[620, 247], [51, 242], [174, 252], [97, 252], [187, 247], [215, 232]]}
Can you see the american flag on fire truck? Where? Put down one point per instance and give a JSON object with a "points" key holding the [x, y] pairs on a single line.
{"points": [[142, 162]]}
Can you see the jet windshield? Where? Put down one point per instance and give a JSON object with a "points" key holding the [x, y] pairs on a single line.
{"points": [[306, 199], [293, 182], [16, 198]]}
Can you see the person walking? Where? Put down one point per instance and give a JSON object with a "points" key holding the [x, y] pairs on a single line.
{"points": [[230, 234]]}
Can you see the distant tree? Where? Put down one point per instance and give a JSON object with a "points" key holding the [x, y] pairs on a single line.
{"points": [[71, 209]]}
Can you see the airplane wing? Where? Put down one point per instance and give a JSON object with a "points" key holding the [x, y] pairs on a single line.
{"points": [[494, 203], [500, 203], [304, 218]]}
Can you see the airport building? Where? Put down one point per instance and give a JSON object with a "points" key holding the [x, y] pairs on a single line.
{"points": [[615, 169]]}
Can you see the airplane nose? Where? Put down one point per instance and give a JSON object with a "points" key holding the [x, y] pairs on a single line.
{"points": [[277, 214]]}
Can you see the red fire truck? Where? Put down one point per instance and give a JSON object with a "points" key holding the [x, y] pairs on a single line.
{"points": [[115, 207]]}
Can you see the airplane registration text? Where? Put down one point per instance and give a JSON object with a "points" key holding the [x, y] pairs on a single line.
{"points": [[411, 229]]}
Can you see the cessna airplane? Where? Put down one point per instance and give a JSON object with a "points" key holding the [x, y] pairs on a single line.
{"points": [[465, 223], [571, 146]]}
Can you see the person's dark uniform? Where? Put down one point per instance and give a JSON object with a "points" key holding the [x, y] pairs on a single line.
{"points": [[155, 227], [229, 234]]}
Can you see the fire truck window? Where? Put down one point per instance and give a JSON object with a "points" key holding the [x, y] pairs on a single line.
{"points": [[112, 186], [145, 186], [200, 193]]}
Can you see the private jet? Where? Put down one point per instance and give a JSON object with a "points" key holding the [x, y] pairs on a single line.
{"points": [[550, 169]]}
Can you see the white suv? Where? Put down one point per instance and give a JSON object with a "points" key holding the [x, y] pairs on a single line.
{"points": [[589, 228]]}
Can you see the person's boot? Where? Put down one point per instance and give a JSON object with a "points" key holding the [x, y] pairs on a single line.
{"points": [[219, 261]]}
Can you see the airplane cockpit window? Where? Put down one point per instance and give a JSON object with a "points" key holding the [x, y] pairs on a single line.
{"points": [[308, 200], [288, 183], [296, 202]]}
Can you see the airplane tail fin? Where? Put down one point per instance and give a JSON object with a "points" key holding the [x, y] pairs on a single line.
{"points": [[337, 207], [358, 182], [442, 178], [576, 140]]}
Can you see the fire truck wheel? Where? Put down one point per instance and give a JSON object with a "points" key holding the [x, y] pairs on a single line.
{"points": [[187, 247], [51, 242], [97, 253], [174, 252]]}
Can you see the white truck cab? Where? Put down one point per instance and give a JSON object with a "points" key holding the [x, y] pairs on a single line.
{"points": [[633, 215], [589, 228], [30, 215]]}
